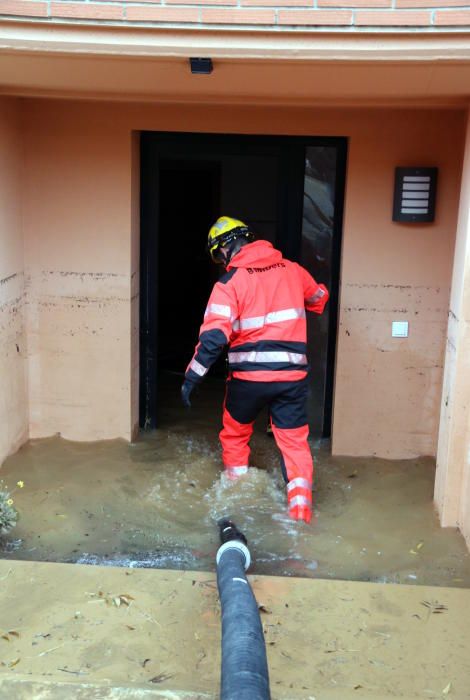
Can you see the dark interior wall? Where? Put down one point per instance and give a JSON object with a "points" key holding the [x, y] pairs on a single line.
{"points": [[249, 192], [193, 194], [189, 196]]}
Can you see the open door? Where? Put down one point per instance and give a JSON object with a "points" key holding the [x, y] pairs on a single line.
{"points": [[288, 189]]}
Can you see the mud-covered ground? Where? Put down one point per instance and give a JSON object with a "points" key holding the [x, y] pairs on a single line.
{"points": [[155, 503]]}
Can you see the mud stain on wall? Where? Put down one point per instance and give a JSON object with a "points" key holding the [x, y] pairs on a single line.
{"points": [[79, 353], [5, 280], [13, 393], [398, 379]]}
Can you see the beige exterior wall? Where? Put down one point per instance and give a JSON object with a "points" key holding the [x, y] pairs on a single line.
{"points": [[452, 491], [13, 395], [387, 389], [81, 229], [78, 218]]}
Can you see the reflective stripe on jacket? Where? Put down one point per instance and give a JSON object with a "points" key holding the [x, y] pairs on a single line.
{"points": [[258, 309]]}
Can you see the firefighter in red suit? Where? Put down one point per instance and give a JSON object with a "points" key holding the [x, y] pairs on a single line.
{"points": [[258, 308]]}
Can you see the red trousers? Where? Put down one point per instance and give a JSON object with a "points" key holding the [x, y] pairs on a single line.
{"points": [[286, 402]]}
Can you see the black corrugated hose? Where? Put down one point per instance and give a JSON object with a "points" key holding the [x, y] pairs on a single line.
{"points": [[244, 664]]}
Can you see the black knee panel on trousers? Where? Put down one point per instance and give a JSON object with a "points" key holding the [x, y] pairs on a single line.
{"points": [[287, 401]]}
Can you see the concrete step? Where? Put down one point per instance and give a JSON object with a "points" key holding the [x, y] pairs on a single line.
{"points": [[77, 631]]}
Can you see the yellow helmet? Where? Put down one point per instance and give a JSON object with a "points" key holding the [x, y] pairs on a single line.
{"points": [[223, 232]]}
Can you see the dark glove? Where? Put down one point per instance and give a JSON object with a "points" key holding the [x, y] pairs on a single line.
{"points": [[186, 390]]}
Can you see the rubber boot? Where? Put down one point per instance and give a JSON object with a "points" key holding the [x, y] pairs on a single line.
{"points": [[234, 473], [299, 499]]}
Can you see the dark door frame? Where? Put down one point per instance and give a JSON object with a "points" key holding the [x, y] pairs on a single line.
{"points": [[291, 153]]}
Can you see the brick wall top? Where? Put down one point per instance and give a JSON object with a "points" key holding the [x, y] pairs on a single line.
{"points": [[311, 15]]}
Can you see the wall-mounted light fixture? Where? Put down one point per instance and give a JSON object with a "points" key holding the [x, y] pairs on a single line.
{"points": [[414, 200], [201, 66]]}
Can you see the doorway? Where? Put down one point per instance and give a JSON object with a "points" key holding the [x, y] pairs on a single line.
{"points": [[289, 190]]}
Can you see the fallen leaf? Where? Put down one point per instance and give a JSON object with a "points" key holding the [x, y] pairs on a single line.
{"points": [[14, 663], [13, 633], [126, 598], [434, 606], [446, 690], [48, 651], [75, 673], [161, 677], [419, 545], [129, 627], [264, 609], [145, 662], [412, 551], [6, 637]]}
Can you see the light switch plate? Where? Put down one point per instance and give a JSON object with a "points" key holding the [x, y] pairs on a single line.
{"points": [[399, 329]]}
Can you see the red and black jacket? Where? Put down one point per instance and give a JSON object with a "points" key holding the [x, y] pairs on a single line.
{"points": [[258, 308]]}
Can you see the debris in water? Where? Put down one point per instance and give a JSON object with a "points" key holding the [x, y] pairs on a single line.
{"points": [[417, 547], [8, 514]]}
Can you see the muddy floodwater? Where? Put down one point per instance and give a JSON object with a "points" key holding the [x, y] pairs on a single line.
{"points": [[155, 503]]}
